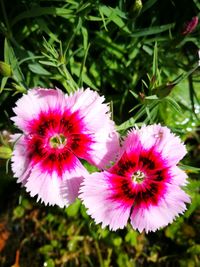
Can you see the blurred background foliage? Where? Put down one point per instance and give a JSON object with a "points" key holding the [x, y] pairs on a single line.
{"points": [[143, 56]]}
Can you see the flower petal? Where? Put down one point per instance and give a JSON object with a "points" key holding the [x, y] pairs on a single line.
{"points": [[19, 160], [96, 117], [104, 148], [145, 180], [97, 195], [58, 129], [72, 180], [46, 186], [178, 177], [45, 182], [153, 217], [52, 189], [164, 142], [30, 106]]}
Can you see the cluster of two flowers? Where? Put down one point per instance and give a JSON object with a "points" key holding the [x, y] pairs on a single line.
{"points": [[58, 130]]}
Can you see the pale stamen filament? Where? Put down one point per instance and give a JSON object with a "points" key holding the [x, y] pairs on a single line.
{"points": [[58, 141], [138, 177]]}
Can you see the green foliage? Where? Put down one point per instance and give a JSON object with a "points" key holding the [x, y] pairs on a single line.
{"points": [[132, 52]]}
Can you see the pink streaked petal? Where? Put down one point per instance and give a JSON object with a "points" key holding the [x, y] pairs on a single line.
{"points": [[132, 143], [96, 194], [104, 149], [53, 189], [19, 161], [15, 137], [37, 100], [95, 116], [72, 180], [164, 142], [46, 187], [86, 100], [178, 176], [152, 217]]}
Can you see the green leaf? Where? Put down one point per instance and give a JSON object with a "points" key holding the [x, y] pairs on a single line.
{"points": [[73, 209], [173, 104], [83, 7], [155, 61], [49, 63], [11, 59], [117, 241], [152, 30], [94, 18], [125, 125], [131, 237], [46, 249], [80, 80], [85, 38], [134, 94], [148, 4], [38, 69], [3, 83], [44, 27], [75, 68], [195, 249], [151, 97], [188, 168], [26, 204], [197, 3], [41, 11], [52, 52], [115, 15], [6, 52], [18, 212], [106, 42]]}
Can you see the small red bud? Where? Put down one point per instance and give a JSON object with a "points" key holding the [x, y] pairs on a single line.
{"points": [[190, 26]]}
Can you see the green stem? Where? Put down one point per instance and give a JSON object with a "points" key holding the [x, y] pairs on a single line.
{"points": [[99, 254]]}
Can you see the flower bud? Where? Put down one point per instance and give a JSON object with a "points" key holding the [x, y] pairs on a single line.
{"points": [[136, 8], [19, 88], [190, 26], [5, 152], [5, 69]]}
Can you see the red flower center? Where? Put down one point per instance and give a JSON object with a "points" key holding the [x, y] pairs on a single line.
{"points": [[139, 178], [56, 139]]}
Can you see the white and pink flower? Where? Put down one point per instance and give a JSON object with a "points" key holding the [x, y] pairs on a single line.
{"points": [[58, 130], [144, 185]]}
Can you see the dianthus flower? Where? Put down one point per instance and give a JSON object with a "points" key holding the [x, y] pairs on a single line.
{"points": [[58, 130], [144, 185]]}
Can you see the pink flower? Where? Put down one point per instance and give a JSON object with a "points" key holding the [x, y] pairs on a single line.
{"points": [[58, 130], [144, 185]]}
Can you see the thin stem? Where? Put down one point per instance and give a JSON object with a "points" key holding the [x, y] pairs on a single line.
{"points": [[99, 254]]}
